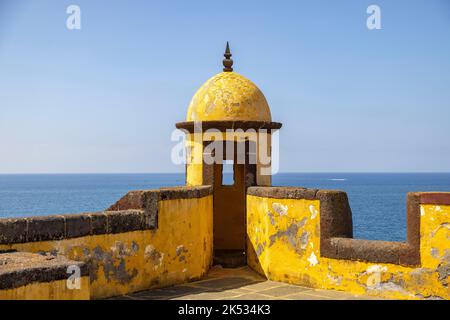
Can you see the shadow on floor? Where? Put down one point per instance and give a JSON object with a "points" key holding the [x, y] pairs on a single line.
{"points": [[240, 284]]}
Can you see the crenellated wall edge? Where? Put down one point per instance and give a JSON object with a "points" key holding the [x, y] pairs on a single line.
{"points": [[137, 210], [336, 236]]}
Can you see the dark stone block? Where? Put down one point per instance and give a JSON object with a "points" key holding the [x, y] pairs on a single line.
{"points": [[410, 256], [99, 223], [337, 242], [151, 210], [78, 225], [184, 192], [133, 200], [283, 192], [125, 221], [438, 198], [46, 228], [369, 250], [13, 231], [335, 214], [223, 125], [208, 174], [413, 219], [250, 175]]}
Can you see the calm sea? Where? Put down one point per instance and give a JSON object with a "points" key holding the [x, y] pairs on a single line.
{"points": [[377, 199]]}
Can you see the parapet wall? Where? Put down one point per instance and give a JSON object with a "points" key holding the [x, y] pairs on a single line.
{"points": [[304, 236], [147, 239]]}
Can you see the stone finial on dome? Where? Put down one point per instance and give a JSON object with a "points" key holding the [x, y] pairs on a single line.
{"points": [[227, 62]]}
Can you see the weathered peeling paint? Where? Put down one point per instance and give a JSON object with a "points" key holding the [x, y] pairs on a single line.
{"points": [[228, 96], [133, 261], [276, 249]]}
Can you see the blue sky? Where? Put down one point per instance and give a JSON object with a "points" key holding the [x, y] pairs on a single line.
{"points": [[105, 98]]}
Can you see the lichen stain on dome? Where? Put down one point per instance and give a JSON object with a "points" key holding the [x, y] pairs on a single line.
{"points": [[228, 96]]}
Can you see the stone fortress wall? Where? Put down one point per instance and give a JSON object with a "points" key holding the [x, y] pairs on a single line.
{"points": [[158, 238], [304, 237]]}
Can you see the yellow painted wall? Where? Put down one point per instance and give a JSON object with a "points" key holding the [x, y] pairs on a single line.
{"points": [[179, 250], [284, 245], [54, 290]]}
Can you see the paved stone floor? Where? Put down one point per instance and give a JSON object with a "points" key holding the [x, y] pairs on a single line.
{"points": [[239, 284]]}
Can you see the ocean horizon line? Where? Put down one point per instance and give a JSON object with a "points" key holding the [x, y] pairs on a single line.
{"points": [[284, 172]]}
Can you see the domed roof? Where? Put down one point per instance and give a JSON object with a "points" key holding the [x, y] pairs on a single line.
{"points": [[228, 96]]}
